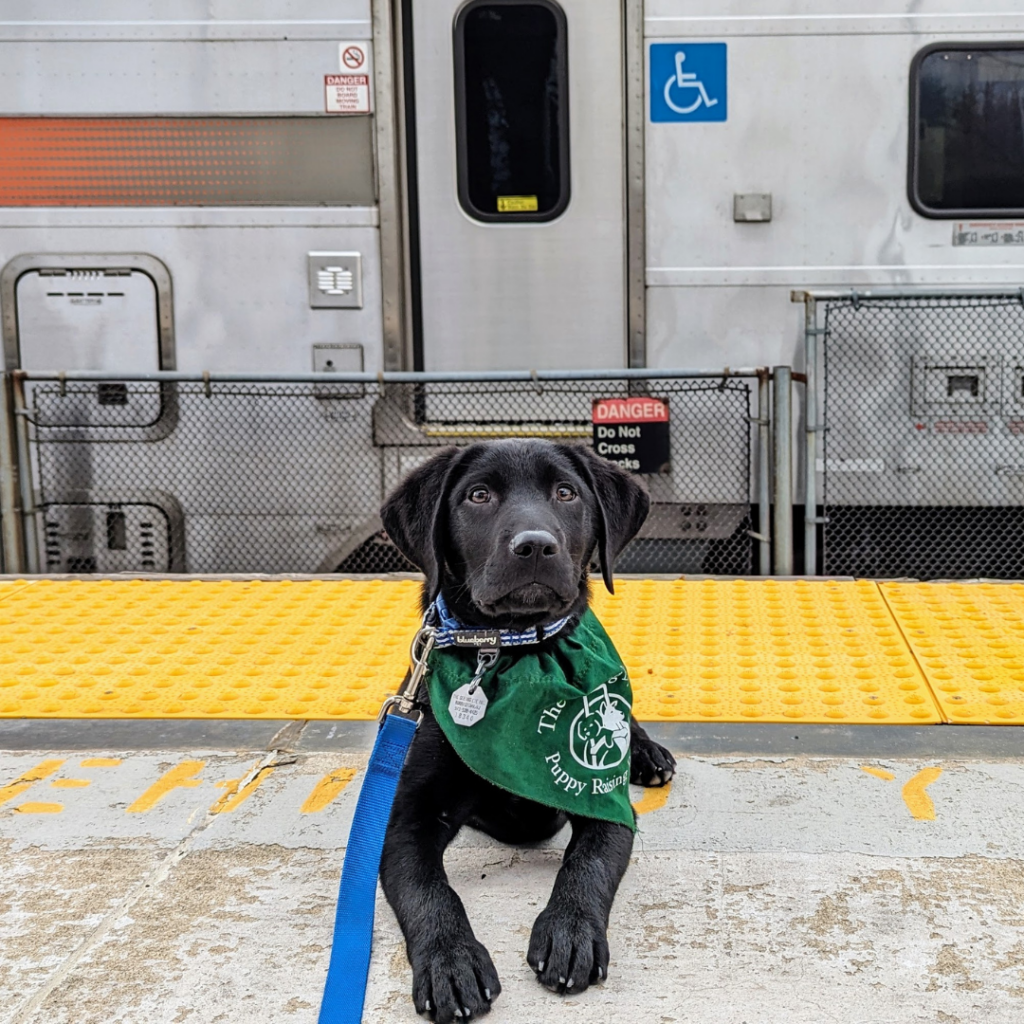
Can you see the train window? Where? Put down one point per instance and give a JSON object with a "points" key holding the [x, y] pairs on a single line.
{"points": [[186, 161], [512, 110], [967, 133]]}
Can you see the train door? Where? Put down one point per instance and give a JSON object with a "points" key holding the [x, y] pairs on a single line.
{"points": [[519, 203]]}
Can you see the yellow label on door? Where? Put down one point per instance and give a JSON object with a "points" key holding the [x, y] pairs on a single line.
{"points": [[517, 204]]}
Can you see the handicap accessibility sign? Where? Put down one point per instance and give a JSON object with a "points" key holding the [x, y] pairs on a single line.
{"points": [[688, 82]]}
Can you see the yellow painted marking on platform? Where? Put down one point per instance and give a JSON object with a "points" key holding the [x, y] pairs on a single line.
{"points": [[969, 641], [28, 779], [71, 783], [915, 797], [764, 651], [327, 789], [178, 777], [233, 797], [101, 762], [34, 808], [879, 773], [653, 799]]}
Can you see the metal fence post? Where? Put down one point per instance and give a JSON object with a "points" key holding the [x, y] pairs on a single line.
{"points": [[10, 525], [28, 505], [782, 424], [764, 492], [811, 429]]}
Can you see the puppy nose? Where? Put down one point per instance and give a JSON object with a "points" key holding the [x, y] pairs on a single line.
{"points": [[529, 542]]}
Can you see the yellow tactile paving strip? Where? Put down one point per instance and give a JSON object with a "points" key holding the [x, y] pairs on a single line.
{"points": [[969, 640], [765, 651], [8, 587], [768, 651], [170, 649]]}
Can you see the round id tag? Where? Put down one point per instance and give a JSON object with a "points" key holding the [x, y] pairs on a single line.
{"points": [[467, 708]]}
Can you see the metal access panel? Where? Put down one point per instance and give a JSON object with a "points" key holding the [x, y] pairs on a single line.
{"points": [[87, 320], [507, 294], [87, 312], [953, 385], [107, 538]]}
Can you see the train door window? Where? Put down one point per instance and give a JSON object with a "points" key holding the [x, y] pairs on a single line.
{"points": [[512, 112], [967, 130]]}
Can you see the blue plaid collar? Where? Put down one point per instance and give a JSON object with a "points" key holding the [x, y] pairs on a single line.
{"points": [[448, 626]]}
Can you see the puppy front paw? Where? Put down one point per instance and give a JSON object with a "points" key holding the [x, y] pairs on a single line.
{"points": [[453, 979], [568, 951], [650, 763]]}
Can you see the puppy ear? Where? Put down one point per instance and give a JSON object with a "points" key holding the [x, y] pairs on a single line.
{"points": [[622, 505], [414, 515]]}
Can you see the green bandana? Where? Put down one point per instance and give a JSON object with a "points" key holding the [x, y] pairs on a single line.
{"points": [[555, 728]]}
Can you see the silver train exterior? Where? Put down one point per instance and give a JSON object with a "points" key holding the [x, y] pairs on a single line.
{"points": [[682, 207]]}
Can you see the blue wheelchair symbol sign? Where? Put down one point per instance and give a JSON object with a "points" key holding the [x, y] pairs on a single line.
{"points": [[688, 82]]}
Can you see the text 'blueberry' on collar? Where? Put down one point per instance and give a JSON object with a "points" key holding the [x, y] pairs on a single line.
{"points": [[451, 632]]}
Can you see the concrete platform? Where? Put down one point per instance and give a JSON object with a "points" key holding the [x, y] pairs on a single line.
{"points": [[174, 875]]}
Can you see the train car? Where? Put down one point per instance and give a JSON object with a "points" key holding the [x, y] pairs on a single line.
{"points": [[363, 185]]}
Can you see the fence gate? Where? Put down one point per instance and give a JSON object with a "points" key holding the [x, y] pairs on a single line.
{"points": [[923, 451], [167, 473]]}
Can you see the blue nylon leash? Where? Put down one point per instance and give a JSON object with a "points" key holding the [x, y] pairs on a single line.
{"points": [[345, 989], [349, 966]]}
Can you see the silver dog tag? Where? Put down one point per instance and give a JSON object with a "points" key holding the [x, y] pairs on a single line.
{"points": [[468, 704]]}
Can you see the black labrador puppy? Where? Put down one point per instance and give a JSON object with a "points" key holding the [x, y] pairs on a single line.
{"points": [[505, 531]]}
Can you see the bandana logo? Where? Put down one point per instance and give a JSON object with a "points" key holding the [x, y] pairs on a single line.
{"points": [[599, 734]]}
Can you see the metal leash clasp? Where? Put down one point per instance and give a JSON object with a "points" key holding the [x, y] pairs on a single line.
{"points": [[485, 658], [405, 702]]}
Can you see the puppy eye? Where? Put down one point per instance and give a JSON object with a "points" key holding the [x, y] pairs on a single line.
{"points": [[479, 495], [565, 493]]}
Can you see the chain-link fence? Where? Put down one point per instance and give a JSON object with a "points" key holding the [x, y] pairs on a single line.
{"points": [[924, 443], [177, 475]]}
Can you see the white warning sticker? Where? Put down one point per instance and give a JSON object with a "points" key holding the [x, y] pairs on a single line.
{"points": [[350, 92], [347, 94], [1001, 232]]}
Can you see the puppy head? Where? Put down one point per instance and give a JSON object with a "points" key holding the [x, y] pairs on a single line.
{"points": [[509, 527]]}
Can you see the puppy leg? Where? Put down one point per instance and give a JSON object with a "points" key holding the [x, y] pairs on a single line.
{"points": [[568, 947], [650, 763], [453, 976]]}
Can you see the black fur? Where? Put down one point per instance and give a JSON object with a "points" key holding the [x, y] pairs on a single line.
{"points": [[494, 529]]}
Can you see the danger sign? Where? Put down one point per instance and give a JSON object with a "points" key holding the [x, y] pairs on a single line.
{"points": [[350, 91], [632, 432], [630, 410], [347, 94]]}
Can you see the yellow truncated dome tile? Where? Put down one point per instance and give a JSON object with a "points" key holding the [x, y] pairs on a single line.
{"points": [[768, 651], [969, 640], [764, 651], [10, 587], [200, 649]]}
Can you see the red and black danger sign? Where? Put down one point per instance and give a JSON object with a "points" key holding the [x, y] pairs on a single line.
{"points": [[633, 432]]}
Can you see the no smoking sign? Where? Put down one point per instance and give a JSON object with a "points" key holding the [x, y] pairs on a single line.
{"points": [[353, 56]]}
